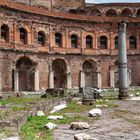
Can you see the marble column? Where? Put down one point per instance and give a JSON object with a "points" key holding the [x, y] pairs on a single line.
{"points": [[0, 84], [82, 79], [16, 80], [36, 80], [51, 80], [69, 81], [112, 79], [123, 76], [99, 79], [129, 78]]}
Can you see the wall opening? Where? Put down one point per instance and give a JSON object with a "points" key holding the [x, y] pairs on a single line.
{"points": [[26, 72], [89, 68], [60, 75]]}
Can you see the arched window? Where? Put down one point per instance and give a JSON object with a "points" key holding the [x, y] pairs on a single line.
{"points": [[89, 42], [103, 42], [82, 11], [74, 41], [96, 12], [58, 39], [116, 42], [73, 11], [126, 12], [138, 13], [5, 33], [41, 38], [132, 42], [111, 13], [23, 35]]}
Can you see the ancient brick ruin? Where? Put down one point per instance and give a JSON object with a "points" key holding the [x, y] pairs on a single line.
{"points": [[65, 44]]}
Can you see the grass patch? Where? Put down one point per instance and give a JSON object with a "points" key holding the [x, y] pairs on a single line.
{"points": [[3, 114], [111, 95], [19, 101], [17, 108], [34, 129]]}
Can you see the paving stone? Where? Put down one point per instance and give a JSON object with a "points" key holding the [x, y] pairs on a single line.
{"points": [[79, 125]]}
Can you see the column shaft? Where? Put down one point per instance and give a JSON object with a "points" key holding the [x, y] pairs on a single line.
{"points": [[82, 79], [37, 80], [51, 80], [69, 82], [123, 79]]}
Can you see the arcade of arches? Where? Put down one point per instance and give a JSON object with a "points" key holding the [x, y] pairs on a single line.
{"points": [[27, 76]]}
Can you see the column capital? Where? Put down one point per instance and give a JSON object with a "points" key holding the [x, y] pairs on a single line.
{"points": [[122, 26]]}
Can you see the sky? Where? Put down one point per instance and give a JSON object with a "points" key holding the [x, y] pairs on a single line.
{"points": [[112, 1]]}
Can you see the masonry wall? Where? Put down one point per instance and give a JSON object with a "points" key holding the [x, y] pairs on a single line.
{"points": [[43, 56]]}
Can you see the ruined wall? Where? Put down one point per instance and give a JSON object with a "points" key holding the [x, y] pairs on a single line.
{"points": [[43, 56], [54, 4]]}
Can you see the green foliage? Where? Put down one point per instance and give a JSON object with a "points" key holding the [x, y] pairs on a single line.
{"points": [[34, 129], [19, 101], [111, 95]]}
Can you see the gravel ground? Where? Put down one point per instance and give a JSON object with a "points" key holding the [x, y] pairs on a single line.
{"points": [[121, 123]]}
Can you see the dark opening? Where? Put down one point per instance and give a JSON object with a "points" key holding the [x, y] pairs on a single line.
{"points": [[60, 76], [23, 36], [132, 42], [111, 13], [103, 42], [26, 73], [74, 41], [88, 42], [58, 39], [5, 33], [41, 38], [116, 42]]}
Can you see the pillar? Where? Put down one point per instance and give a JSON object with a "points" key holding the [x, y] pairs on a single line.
{"points": [[36, 80], [82, 79], [129, 78], [16, 80], [99, 80], [112, 79], [123, 76], [51, 79], [0, 84], [69, 82]]}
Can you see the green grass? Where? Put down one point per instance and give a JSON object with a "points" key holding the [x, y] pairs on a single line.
{"points": [[18, 101], [3, 114], [34, 128], [111, 95]]}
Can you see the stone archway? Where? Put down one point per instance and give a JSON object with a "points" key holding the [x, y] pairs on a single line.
{"points": [[89, 69], [26, 74], [60, 76]]}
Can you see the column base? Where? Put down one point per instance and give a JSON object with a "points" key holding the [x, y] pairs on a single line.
{"points": [[123, 93]]}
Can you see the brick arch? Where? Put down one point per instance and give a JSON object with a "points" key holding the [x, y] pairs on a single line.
{"points": [[138, 13], [26, 74], [111, 12], [126, 12], [63, 59], [26, 27], [17, 57], [96, 12]]}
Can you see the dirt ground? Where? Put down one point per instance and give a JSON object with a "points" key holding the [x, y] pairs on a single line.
{"points": [[121, 123]]}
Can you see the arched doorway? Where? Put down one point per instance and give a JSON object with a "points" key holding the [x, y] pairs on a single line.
{"points": [[60, 75], [26, 74], [89, 68]]}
